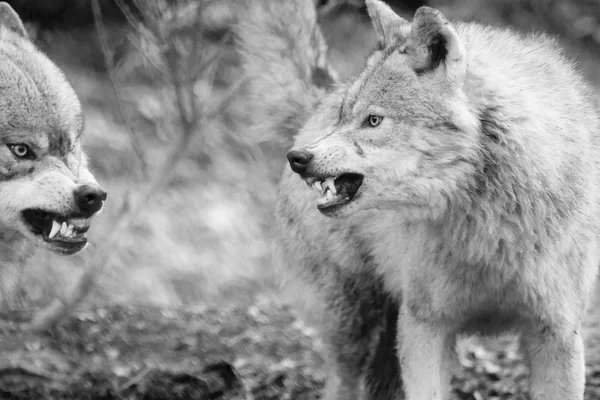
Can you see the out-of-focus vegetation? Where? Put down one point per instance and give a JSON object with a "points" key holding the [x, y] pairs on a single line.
{"points": [[206, 237]]}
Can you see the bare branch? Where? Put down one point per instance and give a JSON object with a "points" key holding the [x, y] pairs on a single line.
{"points": [[135, 380], [108, 60], [151, 15], [148, 58], [147, 6], [133, 21]]}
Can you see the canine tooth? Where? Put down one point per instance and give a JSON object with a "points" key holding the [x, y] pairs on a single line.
{"points": [[317, 185], [329, 183], [63, 229], [329, 195], [54, 230]]}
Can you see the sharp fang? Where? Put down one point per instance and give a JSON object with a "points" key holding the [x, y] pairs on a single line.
{"points": [[54, 230], [317, 185], [329, 195], [63, 229], [330, 184]]}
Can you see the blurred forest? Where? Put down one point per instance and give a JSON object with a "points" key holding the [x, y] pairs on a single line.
{"points": [[204, 239]]}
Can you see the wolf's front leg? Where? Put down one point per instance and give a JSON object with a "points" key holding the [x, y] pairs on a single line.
{"points": [[426, 357], [360, 335], [557, 364]]}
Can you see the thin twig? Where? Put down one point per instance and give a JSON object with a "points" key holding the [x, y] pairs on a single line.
{"points": [[23, 372], [134, 22], [108, 60], [147, 5], [135, 380], [148, 58], [193, 58], [150, 31], [150, 14]]}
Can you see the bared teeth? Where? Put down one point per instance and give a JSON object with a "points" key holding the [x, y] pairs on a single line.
{"points": [[67, 229], [329, 195], [317, 185], [329, 184], [54, 230], [63, 229]]}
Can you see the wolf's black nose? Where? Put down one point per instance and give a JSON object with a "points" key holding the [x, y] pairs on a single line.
{"points": [[89, 198], [299, 160]]}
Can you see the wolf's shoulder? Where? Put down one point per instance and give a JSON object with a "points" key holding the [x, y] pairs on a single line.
{"points": [[531, 71], [506, 52], [503, 41]]}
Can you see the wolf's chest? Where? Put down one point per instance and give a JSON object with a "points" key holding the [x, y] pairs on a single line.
{"points": [[436, 286]]}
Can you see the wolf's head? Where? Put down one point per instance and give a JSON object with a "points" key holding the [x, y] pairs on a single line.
{"points": [[47, 193], [405, 134]]}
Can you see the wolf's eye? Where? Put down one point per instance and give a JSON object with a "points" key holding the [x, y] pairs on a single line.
{"points": [[374, 120], [22, 151]]}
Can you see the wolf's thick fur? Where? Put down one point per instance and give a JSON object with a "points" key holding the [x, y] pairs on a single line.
{"points": [[285, 65], [286, 76], [478, 207], [43, 171]]}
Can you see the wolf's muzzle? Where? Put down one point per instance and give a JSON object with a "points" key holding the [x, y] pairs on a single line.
{"points": [[89, 198], [299, 160]]}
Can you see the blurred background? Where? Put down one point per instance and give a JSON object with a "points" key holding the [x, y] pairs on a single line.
{"points": [[206, 236]]}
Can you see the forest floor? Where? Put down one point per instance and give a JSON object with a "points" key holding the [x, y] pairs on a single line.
{"points": [[259, 351]]}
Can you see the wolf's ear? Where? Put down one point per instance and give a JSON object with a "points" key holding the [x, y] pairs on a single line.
{"points": [[391, 28], [435, 44], [10, 19]]}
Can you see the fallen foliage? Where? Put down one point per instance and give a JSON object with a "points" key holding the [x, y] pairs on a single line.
{"points": [[261, 351]]}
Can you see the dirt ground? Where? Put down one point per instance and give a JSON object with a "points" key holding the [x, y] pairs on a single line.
{"points": [[260, 351], [257, 352]]}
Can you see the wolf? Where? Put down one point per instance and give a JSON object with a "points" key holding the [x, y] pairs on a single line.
{"points": [[48, 196], [286, 75], [454, 190]]}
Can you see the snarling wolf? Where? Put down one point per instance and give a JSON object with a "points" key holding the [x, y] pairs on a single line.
{"points": [[455, 190], [47, 194]]}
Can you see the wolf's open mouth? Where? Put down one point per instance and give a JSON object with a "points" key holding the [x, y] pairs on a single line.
{"points": [[65, 234], [336, 192]]}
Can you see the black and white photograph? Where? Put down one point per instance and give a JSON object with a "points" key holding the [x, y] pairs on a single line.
{"points": [[299, 199]]}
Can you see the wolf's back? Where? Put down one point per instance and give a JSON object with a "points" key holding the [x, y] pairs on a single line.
{"points": [[284, 63]]}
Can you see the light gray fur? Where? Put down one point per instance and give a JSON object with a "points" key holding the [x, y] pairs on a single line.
{"points": [[38, 108], [479, 208]]}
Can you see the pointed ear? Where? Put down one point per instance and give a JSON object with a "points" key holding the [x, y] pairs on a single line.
{"points": [[10, 19], [390, 27], [435, 44]]}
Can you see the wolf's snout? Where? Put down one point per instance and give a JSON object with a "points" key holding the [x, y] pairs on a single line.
{"points": [[89, 198], [299, 160]]}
